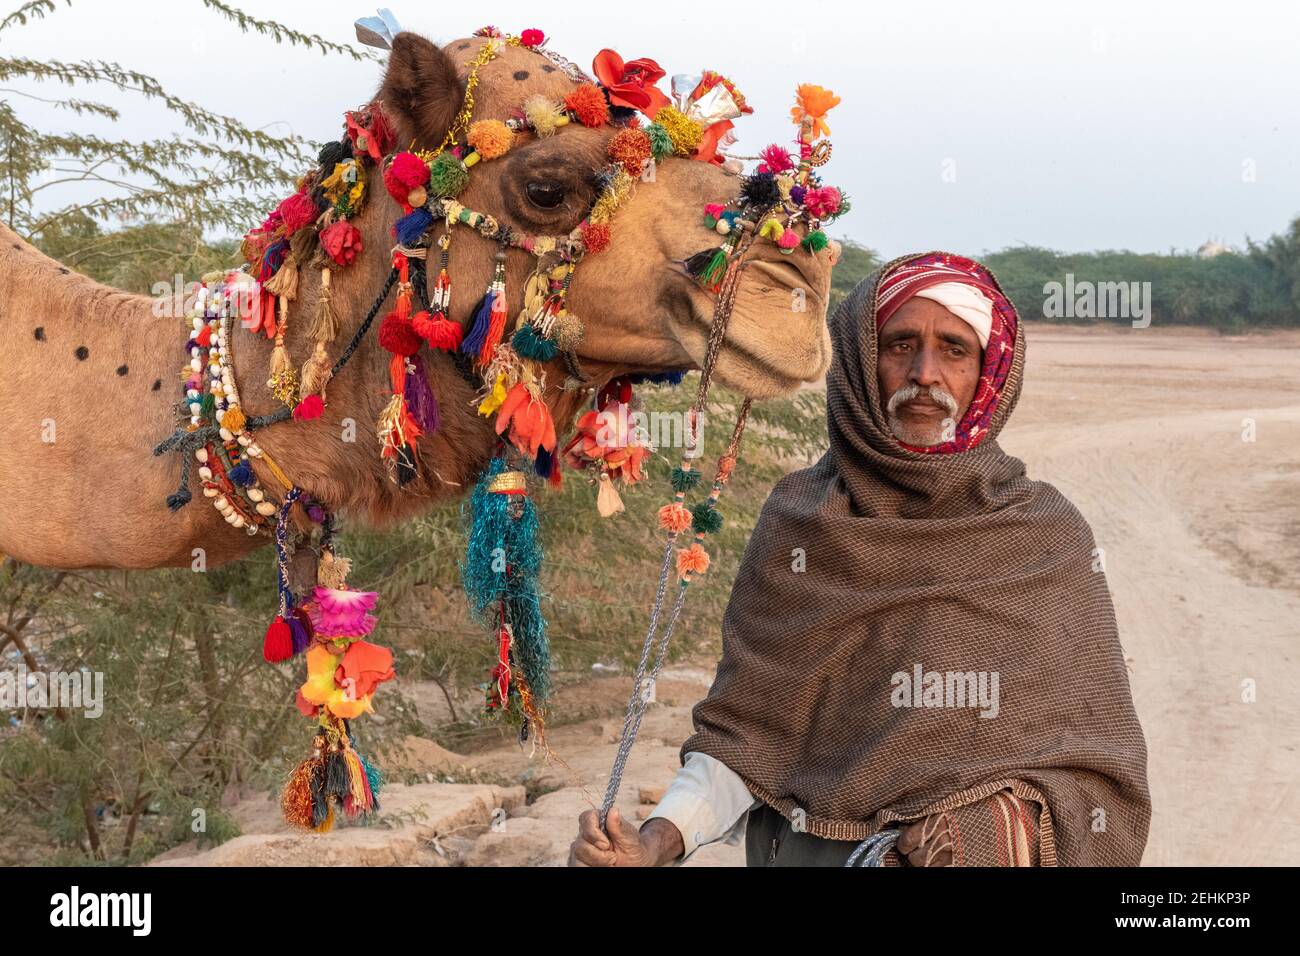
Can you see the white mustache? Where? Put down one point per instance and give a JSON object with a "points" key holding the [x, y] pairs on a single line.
{"points": [[934, 393]]}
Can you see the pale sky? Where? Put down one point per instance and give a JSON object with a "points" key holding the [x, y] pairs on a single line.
{"points": [[970, 127]]}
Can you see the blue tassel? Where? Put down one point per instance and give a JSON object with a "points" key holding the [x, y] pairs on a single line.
{"points": [[472, 343], [410, 229], [542, 463], [659, 378], [375, 776], [529, 344], [241, 474], [488, 582], [273, 258]]}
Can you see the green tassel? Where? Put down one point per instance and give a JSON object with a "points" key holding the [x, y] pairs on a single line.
{"points": [[528, 343], [717, 266], [705, 518], [685, 480], [815, 241], [208, 406], [661, 144], [374, 775]]}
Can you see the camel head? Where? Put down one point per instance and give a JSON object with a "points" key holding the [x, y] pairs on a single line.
{"points": [[641, 310]]}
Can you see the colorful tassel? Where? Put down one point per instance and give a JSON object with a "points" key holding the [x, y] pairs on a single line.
{"points": [[278, 644]]}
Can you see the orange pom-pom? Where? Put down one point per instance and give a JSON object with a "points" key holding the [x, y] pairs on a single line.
{"points": [[491, 138], [595, 236], [588, 104], [692, 560], [630, 148], [674, 517]]}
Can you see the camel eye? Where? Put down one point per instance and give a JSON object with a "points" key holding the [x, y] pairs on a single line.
{"points": [[545, 195]]}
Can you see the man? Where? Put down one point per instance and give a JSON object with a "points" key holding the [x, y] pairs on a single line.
{"points": [[920, 661]]}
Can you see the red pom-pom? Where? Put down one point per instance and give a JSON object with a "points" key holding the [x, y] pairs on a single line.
{"points": [[596, 237], [310, 407], [630, 148], [403, 174], [278, 645], [588, 104], [531, 38], [437, 330], [397, 336], [296, 211]]}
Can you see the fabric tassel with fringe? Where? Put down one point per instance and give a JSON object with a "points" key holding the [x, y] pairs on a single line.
{"points": [[489, 318], [433, 326], [709, 266], [335, 775], [507, 593], [397, 429], [421, 401], [283, 380], [315, 373], [284, 283]]}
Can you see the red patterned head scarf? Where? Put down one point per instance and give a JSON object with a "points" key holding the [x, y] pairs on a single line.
{"points": [[909, 279]]}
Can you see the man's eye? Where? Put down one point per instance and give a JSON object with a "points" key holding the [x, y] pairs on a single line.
{"points": [[545, 195]]}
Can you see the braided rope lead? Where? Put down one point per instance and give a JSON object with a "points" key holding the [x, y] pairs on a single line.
{"points": [[872, 850], [639, 700]]}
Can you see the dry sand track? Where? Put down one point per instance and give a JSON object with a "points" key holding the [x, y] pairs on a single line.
{"points": [[1201, 533]]}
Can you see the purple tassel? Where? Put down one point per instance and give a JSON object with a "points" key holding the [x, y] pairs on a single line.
{"points": [[298, 631], [420, 400]]}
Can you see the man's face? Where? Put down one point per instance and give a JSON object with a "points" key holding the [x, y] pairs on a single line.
{"points": [[928, 366]]}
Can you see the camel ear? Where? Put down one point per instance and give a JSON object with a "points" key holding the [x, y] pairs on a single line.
{"points": [[421, 91]]}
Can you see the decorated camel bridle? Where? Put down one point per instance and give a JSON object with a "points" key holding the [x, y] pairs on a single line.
{"points": [[783, 202]]}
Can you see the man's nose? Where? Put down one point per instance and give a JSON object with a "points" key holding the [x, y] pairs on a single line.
{"points": [[925, 368]]}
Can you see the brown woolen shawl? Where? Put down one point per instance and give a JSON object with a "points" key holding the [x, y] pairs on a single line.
{"points": [[957, 562]]}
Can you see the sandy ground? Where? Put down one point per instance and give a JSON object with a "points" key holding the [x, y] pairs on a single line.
{"points": [[1143, 430]]}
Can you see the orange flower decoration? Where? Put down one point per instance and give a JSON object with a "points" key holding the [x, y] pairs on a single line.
{"points": [[813, 102]]}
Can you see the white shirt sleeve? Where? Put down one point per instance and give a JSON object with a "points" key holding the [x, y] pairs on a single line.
{"points": [[707, 801]]}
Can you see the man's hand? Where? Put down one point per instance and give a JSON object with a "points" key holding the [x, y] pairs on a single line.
{"points": [[622, 844], [926, 842]]}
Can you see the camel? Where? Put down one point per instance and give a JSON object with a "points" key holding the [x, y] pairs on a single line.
{"points": [[89, 377]]}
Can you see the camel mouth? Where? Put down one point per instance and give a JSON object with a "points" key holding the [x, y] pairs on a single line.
{"points": [[777, 339]]}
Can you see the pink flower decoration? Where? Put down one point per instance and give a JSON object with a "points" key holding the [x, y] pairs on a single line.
{"points": [[822, 202], [776, 159], [531, 38], [344, 602]]}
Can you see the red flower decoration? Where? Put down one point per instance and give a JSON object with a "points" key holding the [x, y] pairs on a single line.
{"points": [[531, 38], [370, 132], [632, 83], [341, 242]]}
